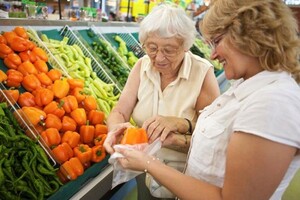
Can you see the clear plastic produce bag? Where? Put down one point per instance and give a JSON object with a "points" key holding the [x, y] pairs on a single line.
{"points": [[121, 175]]}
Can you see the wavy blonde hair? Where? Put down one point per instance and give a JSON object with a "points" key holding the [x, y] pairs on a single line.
{"points": [[265, 29]]}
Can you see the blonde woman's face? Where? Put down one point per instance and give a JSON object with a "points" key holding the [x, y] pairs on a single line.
{"points": [[166, 54]]}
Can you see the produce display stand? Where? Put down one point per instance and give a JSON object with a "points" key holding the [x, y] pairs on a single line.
{"points": [[96, 180]]}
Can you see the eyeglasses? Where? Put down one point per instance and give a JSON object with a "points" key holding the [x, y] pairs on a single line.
{"points": [[215, 42], [167, 51]]}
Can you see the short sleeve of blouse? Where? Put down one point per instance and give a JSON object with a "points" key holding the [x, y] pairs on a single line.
{"points": [[273, 114]]}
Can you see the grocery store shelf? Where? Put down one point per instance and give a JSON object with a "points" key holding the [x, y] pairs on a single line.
{"points": [[43, 22], [96, 187]]}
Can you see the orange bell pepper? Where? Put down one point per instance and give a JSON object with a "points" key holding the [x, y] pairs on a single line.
{"points": [[69, 103], [100, 129], [79, 94], [51, 137], [43, 96], [72, 138], [99, 140], [31, 82], [12, 61], [34, 115], [62, 152], [96, 117], [40, 53], [79, 115], [28, 56], [31, 45], [2, 39], [41, 66], [75, 83], [54, 108], [4, 50], [89, 103], [19, 44], [26, 99], [14, 78], [13, 95], [87, 133], [60, 88], [54, 74], [52, 121], [68, 124], [72, 168], [9, 36], [3, 76], [84, 153], [98, 153], [21, 31], [133, 135], [27, 68], [44, 79]]}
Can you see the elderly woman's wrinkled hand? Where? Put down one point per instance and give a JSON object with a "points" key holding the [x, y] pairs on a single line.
{"points": [[114, 135], [160, 126]]}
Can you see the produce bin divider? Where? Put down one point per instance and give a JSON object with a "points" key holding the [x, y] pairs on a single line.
{"points": [[103, 73], [133, 44]]}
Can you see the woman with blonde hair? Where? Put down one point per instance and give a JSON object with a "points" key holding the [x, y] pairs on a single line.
{"points": [[246, 144]]}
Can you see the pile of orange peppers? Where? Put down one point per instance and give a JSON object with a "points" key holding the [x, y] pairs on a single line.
{"points": [[66, 119]]}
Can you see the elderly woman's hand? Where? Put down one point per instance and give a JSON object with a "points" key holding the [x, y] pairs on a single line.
{"points": [[113, 136], [160, 126]]}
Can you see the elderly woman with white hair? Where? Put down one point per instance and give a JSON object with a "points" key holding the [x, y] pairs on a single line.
{"points": [[167, 87]]}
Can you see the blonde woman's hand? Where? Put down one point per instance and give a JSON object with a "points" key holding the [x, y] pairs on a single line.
{"points": [[114, 135], [133, 159]]}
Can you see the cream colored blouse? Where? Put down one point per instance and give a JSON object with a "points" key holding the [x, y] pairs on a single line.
{"points": [[178, 99]]}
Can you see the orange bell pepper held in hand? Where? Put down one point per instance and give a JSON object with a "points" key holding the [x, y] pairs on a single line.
{"points": [[84, 153], [72, 168], [98, 153], [133, 135]]}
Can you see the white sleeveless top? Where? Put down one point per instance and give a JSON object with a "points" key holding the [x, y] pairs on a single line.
{"points": [[178, 99]]}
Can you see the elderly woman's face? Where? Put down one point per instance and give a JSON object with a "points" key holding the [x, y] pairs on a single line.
{"points": [[165, 54]]}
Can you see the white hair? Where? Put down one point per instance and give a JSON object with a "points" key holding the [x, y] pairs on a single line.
{"points": [[166, 21]]}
